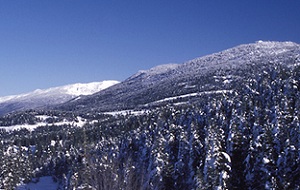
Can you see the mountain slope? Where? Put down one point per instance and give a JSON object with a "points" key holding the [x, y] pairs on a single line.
{"points": [[51, 96], [224, 121], [219, 72]]}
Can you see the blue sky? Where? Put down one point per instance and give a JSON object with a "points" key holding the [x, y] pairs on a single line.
{"points": [[47, 43]]}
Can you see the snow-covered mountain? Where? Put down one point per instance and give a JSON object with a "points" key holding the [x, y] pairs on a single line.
{"points": [[214, 74], [229, 120], [177, 83], [51, 96]]}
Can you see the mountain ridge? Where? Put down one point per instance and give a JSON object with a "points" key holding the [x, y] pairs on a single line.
{"points": [[219, 71], [51, 96]]}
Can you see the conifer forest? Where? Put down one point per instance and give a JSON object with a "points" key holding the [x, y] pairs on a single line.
{"points": [[245, 139]]}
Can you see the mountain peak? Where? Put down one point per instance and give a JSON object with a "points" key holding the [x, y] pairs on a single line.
{"points": [[211, 74], [274, 42], [51, 96], [87, 88], [155, 71]]}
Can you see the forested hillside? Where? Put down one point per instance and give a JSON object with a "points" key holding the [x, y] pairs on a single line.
{"points": [[246, 139], [222, 71]]}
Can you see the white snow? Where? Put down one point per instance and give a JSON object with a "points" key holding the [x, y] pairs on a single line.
{"points": [[88, 88], [156, 70], [194, 94], [266, 160], [7, 98], [80, 123], [226, 156], [126, 112], [44, 183], [71, 91], [24, 126], [42, 117], [273, 44], [52, 143], [160, 69], [227, 81]]}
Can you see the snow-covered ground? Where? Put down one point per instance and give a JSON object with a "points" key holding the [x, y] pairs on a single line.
{"points": [[126, 112], [44, 183], [193, 95], [79, 123]]}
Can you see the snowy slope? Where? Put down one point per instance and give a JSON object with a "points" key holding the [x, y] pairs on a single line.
{"points": [[45, 183], [51, 96], [222, 71], [43, 120]]}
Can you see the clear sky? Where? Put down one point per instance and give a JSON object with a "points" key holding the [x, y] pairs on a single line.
{"points": [[47, 43]]}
